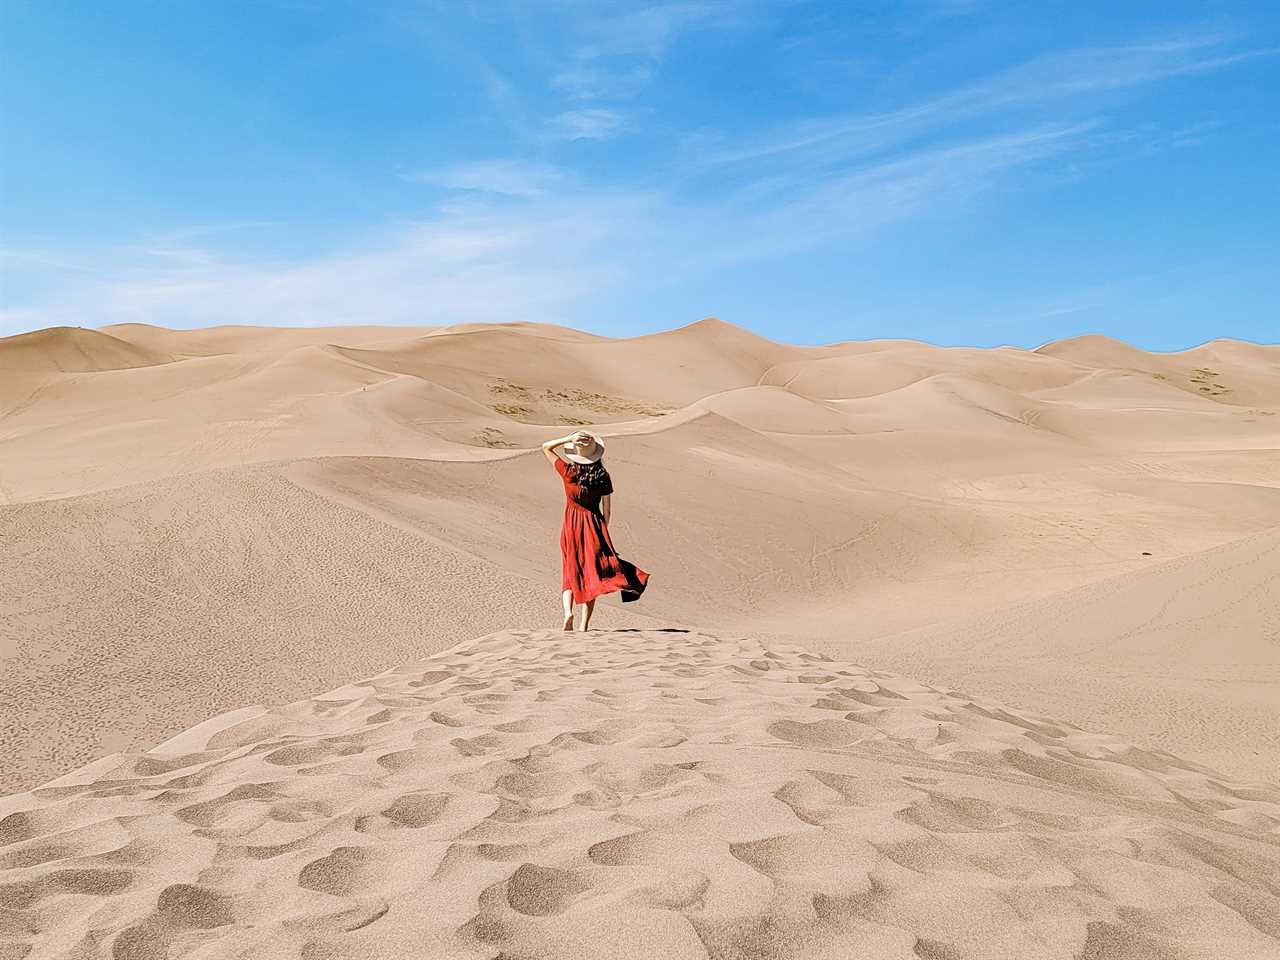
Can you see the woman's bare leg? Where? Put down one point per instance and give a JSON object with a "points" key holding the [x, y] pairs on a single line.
{"points": [[567, 599], [586, 612]]}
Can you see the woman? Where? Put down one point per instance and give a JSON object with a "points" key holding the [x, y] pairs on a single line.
{"points": [[590, 564]]}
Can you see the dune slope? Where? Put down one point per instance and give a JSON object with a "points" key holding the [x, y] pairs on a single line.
{"points": [[203, 524], [1225, 371], [73, 350], [645, 794], [1185, 654], [369, 492], [193, 596]]}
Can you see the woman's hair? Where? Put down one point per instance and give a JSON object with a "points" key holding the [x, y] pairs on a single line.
{"points": [[593, 476]]}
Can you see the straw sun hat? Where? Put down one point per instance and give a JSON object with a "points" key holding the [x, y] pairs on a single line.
{"points": [[588, 452]]}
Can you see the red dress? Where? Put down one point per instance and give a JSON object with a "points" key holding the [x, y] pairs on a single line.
{"points": [[591, 565]]}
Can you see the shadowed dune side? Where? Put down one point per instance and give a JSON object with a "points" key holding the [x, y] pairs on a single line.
{"points": [[132, 614], [73, 350], [242, 395], [1098, 351], [1186, 651], [1225, 371], [639, 794], [1116, 390], [939, 434], [850, 374], [238, 339], [253, 515], [138, 611], [769, 537], [796, 493], [115, 428], [660, 371]]}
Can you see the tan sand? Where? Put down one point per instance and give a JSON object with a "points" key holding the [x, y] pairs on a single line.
{"points": [[196, 522], [641, 794]]}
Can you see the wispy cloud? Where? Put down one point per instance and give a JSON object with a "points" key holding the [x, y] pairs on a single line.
{"points": [[792, 211], [435, 30], [1068, 311], [615, 54], [516, 178], [475, 262], [44, 259], [555, 257], [648, 32], [524, 239], [1074, 76], [585, 81], [593, 123], [1108, 67]]}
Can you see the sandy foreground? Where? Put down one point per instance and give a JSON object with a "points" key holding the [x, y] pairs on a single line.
{"points": [[200, 524], [641, 793]]}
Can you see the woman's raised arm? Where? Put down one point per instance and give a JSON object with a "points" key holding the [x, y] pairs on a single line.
{"points": [[549, 448]]}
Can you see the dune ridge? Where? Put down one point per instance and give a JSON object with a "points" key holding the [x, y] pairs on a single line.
{"points": [[641, 793], [368, 492], [1075, 550], [1199, 370], [1186, 645], [174, 403], [74, 350]]}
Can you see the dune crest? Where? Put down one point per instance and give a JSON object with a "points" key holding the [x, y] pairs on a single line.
{"points": [[78, 402], [1226, 371], [370, 491], [638, 794], [74, 350], [197, 525], [1180, 646]]}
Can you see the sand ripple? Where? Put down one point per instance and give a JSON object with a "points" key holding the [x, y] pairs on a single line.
{"points": [[641, 793]]}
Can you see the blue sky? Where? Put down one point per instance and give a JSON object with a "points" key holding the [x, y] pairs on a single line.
{"points": [[958, 171]]}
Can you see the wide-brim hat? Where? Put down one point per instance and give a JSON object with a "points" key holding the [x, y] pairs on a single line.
{"points": [[576, 454]]}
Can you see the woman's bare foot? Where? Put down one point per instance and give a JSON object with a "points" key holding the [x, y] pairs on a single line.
{"points": [[566, 600]]}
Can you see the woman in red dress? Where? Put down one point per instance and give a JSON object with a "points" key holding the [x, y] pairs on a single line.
{"points": [[590, 564]]}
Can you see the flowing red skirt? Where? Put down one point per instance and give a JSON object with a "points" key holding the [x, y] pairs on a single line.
{"points": [[591, 565]]}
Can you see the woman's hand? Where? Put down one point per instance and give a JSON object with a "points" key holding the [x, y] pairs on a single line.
{"points": [[549, 448], [558, 442]]}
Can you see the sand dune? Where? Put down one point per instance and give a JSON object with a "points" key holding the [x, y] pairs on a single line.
{"points": [[73, 350], [1182, 654], [200, 524], [215, 341], [848, 374], [764, 509], [248, 395], [612, 379], [642, 794], [1227, 371], [196, 595]]}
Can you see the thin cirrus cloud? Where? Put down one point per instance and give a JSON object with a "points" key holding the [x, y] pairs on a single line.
{"points": [[552, 256], [475, 262], [1061, 79], [650, 31], [595, 82], [514, 178], [591, 123], [523, 238], [616, 56], [785, 213], [647, 33]]}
